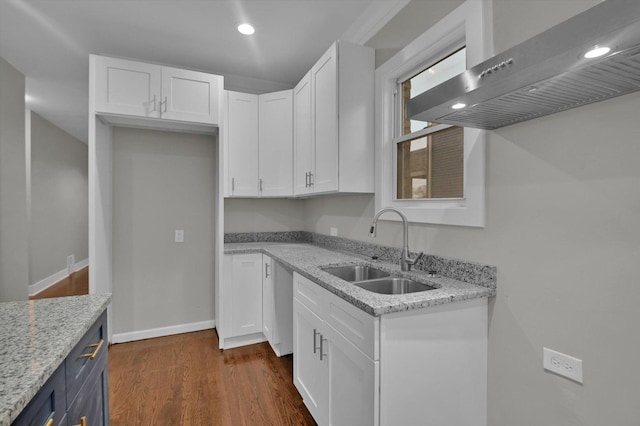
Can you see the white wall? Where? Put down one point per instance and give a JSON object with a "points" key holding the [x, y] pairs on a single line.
{"points": [[14, 268], [162, 181], [59, 199], [563, 198]]}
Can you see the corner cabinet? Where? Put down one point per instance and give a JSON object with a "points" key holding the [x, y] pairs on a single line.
{"points": [[138, 89], [259, 144], [424, 366], [78, 392], [333, 123]]}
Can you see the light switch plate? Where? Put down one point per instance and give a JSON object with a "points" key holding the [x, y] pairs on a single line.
{"points": [[562, 364]]}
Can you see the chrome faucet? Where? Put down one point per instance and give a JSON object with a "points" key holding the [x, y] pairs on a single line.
{"points": [[405, 260]]}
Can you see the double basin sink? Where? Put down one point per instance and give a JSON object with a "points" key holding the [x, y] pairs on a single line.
{"points": [[376, 280]]}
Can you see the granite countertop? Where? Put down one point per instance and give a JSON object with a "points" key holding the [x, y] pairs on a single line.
{"points": [[35, 338], [307, 259]]}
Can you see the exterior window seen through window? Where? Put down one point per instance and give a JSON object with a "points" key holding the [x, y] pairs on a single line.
{"points": [[430, 156]]}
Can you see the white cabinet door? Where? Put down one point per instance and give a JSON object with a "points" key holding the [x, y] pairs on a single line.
{"points": [[268, 305], [190, 95], [353, 383], [302, 136], [324, 84], [242, 144], [246, 294], [276, 143], [309, 372], [127, 87]]}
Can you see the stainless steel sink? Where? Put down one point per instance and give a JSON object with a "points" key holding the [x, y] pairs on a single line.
{"points": [[393, 286], [356, 272]]}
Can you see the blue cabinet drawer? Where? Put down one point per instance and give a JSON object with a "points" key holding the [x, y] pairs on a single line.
{"points": [[48, 407], [85, 357], [92, 401]]}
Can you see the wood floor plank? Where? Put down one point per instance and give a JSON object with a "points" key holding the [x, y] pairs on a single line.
{"points": [[76, 284], [186, 380]]}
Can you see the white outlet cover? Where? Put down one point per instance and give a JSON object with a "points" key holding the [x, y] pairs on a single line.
{"points": [[179, 237], [562, 364], [333, 232]]}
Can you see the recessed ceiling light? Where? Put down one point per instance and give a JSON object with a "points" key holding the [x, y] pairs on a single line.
{"points": [[597, 51], [246, 29], [459, 105]]}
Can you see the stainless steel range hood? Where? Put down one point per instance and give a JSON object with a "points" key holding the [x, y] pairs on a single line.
{"points": [[545, 74]]}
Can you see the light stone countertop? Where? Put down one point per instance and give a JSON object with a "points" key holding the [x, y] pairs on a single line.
{"points": [[307, 259], [35, 338]]}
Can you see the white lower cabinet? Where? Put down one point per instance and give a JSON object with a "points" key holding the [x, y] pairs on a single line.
{"points": [[258, 303], [337, 381], [246, 295], [277, 306], [418, 367]]}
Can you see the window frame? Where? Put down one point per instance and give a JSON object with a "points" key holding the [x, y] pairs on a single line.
{"points": [[470, 25]]}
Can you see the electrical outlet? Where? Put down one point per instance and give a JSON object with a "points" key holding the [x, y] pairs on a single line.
{"points": [[562, 364], [333, 232], [179, 237]]}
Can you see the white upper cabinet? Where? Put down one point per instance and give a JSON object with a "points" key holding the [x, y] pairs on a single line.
{"points": [[190, 95], [242, 144], [259, 144], [324, 83], [333, 123], [302, 136], [275, 132], [138, 89], [127, 87]]}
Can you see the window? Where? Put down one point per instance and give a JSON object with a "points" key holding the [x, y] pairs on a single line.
{"points": [[429, 156], [433, 172]]}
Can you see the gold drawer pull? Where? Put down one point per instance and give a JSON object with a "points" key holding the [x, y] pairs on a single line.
{"points": [[49, 422], [83, 419], [93, 354]]}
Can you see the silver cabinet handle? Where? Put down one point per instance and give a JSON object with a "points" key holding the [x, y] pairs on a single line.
{"points": [[165, 105], [315, 347], [155, 107], [306, 180], [322, 354], [310, 179], [266, 270], [260, 185], [233, 184]]}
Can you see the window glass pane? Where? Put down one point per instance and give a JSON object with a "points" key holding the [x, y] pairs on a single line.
{"points": [[431, 166], [438, 73]]}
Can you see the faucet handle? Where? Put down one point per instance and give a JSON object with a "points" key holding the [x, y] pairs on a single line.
{"points": [[415, 259]]}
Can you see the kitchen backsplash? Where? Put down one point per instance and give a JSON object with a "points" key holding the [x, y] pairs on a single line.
{"points": [[462, 270]]}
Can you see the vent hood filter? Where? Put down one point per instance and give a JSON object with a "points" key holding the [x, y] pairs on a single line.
{"points": [[545, 74]]}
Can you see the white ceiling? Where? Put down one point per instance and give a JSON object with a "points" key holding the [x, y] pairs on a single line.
{"points": [[49, 42]]}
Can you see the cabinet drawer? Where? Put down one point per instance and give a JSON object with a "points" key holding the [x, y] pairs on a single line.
{"points": [[78, 364], [49, 403], [357, 326], [310, 294], [93, 399]]}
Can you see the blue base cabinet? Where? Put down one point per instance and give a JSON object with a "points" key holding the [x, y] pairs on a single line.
{"points": [[77, 394]]}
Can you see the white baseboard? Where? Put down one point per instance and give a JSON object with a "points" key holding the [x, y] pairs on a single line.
{"points": [[162, 331], [236, 342], [58, 276]]}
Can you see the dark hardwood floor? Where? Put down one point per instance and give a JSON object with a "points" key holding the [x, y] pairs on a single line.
{"points": [[75, 284], [186, 380]]}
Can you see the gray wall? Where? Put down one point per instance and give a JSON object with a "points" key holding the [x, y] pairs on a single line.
{"points": [[59, 199], [162, 181], [242, 215], [14, 268]]}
